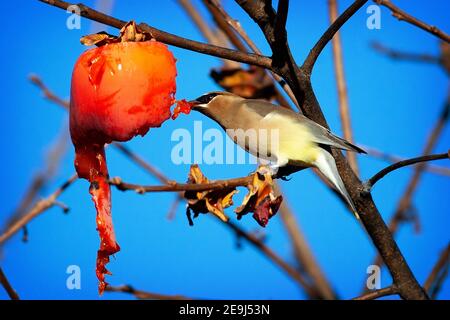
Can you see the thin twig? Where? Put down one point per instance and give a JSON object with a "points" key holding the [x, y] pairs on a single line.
{"points": [[401, 55], [177, 187], [404, 16], [236, 26], [144, 295], [379, 154], [169, 38], [302, 251], [9, 289], [40, 207], [388, 291], [344, 109], [311, 291], [381, 174], [437, 276], [204, 28], [40, 180], [310, 60]]}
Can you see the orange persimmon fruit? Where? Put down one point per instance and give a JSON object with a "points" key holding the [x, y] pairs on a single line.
{"points": [[119, 90]]}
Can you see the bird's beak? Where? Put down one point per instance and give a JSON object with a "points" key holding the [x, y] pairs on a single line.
{"points": [[197, 105]]}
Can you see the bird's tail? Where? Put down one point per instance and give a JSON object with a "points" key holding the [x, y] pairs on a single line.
{"points": [[327, 166]]}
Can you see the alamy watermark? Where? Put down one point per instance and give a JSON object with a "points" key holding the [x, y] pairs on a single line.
{"points": [[213, 147], [73, 281], [373, 21], [74, 20], [373, 281]]}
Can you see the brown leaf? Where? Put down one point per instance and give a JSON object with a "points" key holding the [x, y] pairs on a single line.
{"points": [[260, 198], [97, 39], [214, 201], [129, 32], [251, 83]]}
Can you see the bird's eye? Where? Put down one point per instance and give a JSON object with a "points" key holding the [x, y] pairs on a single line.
{"points": [[206, 98]]}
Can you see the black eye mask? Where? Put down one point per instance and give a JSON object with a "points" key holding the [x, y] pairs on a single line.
{"points": [[205, 99]]}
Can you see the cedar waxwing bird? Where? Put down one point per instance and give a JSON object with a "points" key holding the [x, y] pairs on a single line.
{"points": [[299, 143]]}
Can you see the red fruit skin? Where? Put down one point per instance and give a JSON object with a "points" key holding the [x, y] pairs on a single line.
{"points": [[118, 91]]}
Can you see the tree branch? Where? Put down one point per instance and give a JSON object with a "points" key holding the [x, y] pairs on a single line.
{"points": [[438, 274], [144, 295], [172, 186], [400, 55], [381, 174], [402, 15], [344, 109], [299, 81], [302, 250], [36, 210], [392, 158], [388, 291], [217, 10], [328, 35], [169, 38], [8, 288]]}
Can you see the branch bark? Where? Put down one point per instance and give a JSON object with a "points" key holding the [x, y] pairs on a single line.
{"points": [[169, 38], [388, 291], [402, 15], [8, 288]]}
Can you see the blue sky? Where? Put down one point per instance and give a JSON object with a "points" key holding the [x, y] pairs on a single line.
{"points": [[393, 106]]}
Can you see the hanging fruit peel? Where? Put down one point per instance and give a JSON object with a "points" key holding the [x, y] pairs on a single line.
{"points": [[119, 90]]}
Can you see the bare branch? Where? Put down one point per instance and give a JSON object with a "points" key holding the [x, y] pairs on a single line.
{"points": [[144, 295], [177, 187], [403, 16], [303, 252], [8, 288], [215, 7], [310, 60], [438, 274], [310, 290], [344, 109], [40, 207], [47, 93], [388, 291], [41, 179], [204, 28], [400, 55], [371, 182], [379, 154], [169, 38]]}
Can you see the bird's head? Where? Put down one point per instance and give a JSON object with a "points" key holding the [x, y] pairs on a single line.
{"points": [[213, 103]]}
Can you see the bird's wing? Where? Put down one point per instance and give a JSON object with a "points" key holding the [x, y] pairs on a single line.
{"points": [[320, 134]]}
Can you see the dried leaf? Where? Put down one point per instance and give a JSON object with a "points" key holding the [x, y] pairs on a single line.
{"points": [[214, 201], [130, 32], [97, 39], [252, 83], [260, 198]]}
